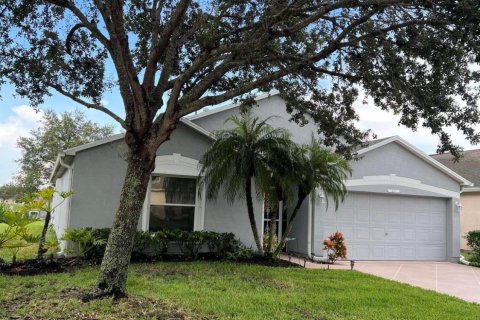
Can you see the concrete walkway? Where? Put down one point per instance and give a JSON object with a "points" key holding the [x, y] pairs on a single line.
{"points": [[450, 278]]}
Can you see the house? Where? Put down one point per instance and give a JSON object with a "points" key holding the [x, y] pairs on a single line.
{"points": [[402, 204], [468, 167], [37, 214], [8, 199]]}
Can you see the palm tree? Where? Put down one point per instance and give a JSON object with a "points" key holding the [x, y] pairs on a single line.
{"points": [[250, 151], [315, 167]]}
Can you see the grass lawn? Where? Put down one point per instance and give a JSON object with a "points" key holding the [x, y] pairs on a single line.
{"points": [[207, 290], [29, 252]]}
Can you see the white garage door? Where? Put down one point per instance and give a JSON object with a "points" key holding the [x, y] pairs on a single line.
{"points": [[384, 227]]}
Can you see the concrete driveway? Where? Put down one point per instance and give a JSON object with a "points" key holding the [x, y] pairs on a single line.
{"points": [[450, 278]]}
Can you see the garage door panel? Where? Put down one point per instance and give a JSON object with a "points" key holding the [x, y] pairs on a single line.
{"points": [[394, 235], [360, 252], [432, 252], [378, 217], [362, 234], [408, 218], [393, 252], [362, 216], [327, 230], [390, 227], [377, 252], [378, 234], [346, 217], [395, 217], [408, 252], [437, 236], [409, 235]]}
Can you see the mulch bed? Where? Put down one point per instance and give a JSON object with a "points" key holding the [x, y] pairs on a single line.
{"points": [[35, 267]]}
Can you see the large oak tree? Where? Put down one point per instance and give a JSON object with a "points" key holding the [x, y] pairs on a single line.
{"points": [[173, 57]]}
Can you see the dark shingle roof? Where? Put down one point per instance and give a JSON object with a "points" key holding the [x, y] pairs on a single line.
{"points": [[468, 166]]}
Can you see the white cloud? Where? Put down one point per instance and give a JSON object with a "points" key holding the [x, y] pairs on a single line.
{"points": [[22, 119], [385, 124]]}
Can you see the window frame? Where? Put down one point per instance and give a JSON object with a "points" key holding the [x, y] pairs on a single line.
{"points": [[176, 166]]}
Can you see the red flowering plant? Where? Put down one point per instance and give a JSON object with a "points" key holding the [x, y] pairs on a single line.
{"points": [[335, 246]]}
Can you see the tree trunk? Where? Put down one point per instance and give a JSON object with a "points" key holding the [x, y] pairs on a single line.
{"points": [[251, 214], [113, 271], [272, 226], [41, 243], [288, 229]]}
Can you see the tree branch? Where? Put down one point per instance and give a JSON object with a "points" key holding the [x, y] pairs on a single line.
{"points": [[158, 49], [88, 104], [84, 20]]}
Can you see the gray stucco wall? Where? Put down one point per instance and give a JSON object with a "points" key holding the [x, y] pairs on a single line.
{"points": [[274, 107], [99, 173], [300, 230], [222, 216], [395, 159]]}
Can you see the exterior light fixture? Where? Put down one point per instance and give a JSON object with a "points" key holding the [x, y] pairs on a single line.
{"points": [[459, 206]]}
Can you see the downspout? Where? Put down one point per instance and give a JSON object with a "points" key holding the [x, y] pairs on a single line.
{"points": [[311, 230], [70, 179]]}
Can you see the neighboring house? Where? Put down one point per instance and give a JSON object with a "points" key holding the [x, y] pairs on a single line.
{"points": [[8, 199], [402, 204], [37, 214], [468, 167]]}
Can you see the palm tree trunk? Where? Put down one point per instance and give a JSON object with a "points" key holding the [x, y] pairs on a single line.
{"points": [[271, 228], [41, 243], [113, 271], [251, 214], [301, 197]]}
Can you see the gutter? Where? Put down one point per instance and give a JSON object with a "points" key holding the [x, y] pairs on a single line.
{"points": [[63, 164], [466, 190]]}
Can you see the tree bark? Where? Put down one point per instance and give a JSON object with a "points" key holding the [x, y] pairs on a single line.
{"points": [[271, 229], [301, 197], [41, 243], [251, 214], [113, 271]]}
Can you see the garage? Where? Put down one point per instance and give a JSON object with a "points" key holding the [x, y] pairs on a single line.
{"points": [[389, 227]]}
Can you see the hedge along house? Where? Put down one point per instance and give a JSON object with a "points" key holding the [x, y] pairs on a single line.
{"points": [[402, 204]]}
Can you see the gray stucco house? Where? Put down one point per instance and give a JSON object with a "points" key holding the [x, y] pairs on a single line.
{"points": [[402, 204]]}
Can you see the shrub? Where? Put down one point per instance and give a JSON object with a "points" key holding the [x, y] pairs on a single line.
{"points": [[95, 249], [473, 241], [149, 245], [335, 246], [154, 246], [79, 238]]}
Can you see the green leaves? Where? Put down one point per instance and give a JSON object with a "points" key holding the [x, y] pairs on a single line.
{"points": [[46, 194], [66, 194], [252, 149], [57, 133], [14, 232], [412, 57]]}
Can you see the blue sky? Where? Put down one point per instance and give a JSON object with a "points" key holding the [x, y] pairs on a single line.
{"points": [[17, 119]]}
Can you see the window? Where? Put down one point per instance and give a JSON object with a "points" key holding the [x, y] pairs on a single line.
{"points": [[172, 203]]}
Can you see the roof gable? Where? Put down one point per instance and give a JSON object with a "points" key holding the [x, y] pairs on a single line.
{"points": [[230, 106], [419, 153], [119, 136]]}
